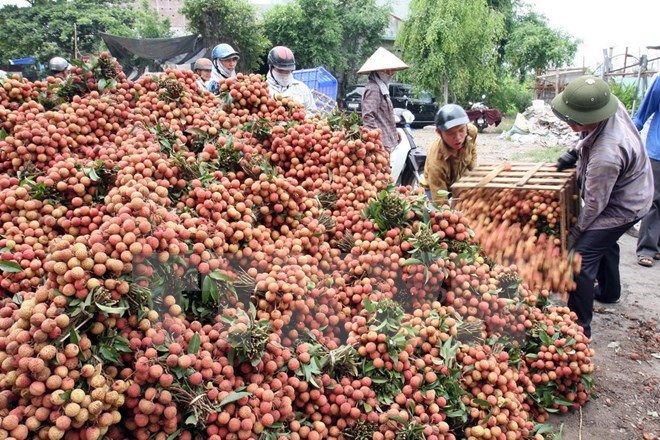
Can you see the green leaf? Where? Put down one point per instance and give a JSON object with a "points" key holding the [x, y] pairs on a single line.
{"points": [[10, 266], [234, 397], [545, 429], [210, 291], [175, 436], [398, 419], [219, 276], [481, 402], [411, 261], [564, 402], [191, 420], [91, 173], [194, 344], [119, 310], [3, 134], [101, 84], [74, 337]]}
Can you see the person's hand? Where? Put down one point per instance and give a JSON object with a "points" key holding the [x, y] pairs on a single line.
{"points": [[567, 160]]}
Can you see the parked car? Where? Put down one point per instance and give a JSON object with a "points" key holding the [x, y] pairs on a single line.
{"points": [[420, 103]]}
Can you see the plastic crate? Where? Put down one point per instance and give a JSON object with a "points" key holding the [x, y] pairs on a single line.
{"points": [[318, 79]]}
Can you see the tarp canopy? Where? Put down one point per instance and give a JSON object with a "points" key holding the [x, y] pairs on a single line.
{"points": [[177, 50], [23, 61]]}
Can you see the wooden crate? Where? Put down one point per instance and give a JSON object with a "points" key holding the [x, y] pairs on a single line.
{"points": [[528, 176]]}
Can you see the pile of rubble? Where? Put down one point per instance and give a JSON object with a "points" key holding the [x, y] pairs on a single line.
{"points": [[538, 125]]}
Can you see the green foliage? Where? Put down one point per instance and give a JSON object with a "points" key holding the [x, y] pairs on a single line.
{"points": [[336, 34], [47, 28], [534, 46], [148, 24], [228, 21], [625, 92], [451, 44], [510, 95]]}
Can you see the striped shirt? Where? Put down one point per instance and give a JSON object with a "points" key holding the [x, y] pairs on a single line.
{"points": [[614, 173]]}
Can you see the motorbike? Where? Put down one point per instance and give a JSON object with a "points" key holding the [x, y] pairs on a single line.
{"points": [[482, 116], [406, 160]]}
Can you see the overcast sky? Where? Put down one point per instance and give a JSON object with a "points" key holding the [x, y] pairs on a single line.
{"points": [[604, 23]]}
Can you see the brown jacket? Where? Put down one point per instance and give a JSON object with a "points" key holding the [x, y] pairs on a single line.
{"points": [[445, 166]]}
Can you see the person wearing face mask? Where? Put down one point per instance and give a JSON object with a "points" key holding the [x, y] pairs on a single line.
{"points": [[59, 67], [281, 81], [224, 59], [377, 109]]}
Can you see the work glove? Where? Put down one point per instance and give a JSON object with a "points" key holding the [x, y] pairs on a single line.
{"points": [[567, 160]]}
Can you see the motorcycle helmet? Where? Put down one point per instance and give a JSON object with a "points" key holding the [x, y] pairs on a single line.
{"points": [[223, 51], [450, 116], [281, 57], [203, 64], [58, 64]]}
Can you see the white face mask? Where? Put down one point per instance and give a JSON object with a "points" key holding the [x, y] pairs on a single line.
{"points": [[284, 79]]}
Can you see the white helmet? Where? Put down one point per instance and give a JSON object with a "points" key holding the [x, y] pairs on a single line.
{"points": [[58, 64]]}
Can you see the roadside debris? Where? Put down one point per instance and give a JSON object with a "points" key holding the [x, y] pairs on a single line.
{"points": [[538, 125]]}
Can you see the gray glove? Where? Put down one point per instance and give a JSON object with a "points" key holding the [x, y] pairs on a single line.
{"points": [[567, 160]]}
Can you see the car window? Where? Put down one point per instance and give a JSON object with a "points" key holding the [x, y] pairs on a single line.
{"points": [[355, 93], [399, 91], [424, 97]]}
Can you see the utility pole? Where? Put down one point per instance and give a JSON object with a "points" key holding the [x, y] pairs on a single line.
{"points": [[75, 41]]}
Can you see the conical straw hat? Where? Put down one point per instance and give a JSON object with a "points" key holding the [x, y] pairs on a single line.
{"points": [[382, 59]]}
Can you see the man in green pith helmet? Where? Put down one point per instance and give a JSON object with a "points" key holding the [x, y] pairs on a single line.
{"points": [[616, 184]]}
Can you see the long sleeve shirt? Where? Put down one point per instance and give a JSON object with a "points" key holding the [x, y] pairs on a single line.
{"points": [[650, 106], [444, 165], [378, 113], [614, 172], [297, 90]]}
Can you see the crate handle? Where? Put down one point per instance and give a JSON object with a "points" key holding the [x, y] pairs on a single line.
{"points": [[488, 177], [528, 175]]}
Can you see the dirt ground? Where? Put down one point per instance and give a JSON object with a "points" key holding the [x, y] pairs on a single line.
{"points": [[626, 404]]}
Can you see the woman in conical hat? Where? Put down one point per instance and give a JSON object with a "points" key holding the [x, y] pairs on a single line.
{"points": [[377, 109]]}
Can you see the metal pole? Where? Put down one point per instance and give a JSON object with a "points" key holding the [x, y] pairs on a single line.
{"points": [[643, 62], [75, 41]]}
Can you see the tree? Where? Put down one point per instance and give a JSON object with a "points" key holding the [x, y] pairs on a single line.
{"points": [[228, 21], [310, 28], [336, 34], [61, 27], [451, 45], [534, 46], [148, 24]]}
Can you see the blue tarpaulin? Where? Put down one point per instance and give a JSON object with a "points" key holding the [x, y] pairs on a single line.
{"points": [[23, 61]]}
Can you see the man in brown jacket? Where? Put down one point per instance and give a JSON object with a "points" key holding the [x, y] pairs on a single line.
{"points": [[452, 154]]}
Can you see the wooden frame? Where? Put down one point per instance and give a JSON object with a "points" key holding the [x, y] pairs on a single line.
{"points": [[528, 176]]}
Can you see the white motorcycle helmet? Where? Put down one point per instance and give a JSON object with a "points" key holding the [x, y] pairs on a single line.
{"points": [[58, 65]]}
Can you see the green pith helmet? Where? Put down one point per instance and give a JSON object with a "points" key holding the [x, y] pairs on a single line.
{"points": [[585, 100]]}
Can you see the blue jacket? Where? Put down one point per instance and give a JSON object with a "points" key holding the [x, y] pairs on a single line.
{"points": [[651, 106]]}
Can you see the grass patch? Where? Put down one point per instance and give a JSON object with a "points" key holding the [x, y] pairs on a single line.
{"points": [[544, 154], [505, 125]]}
